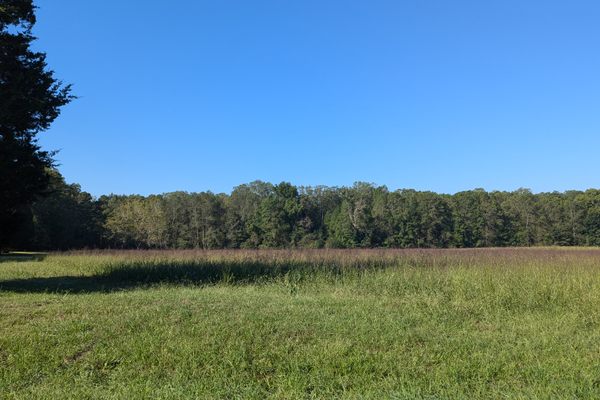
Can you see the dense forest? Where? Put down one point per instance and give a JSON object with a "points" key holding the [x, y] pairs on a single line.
{"points": [[264, 215]]}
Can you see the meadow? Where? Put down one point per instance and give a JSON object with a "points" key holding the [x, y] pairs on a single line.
{"points": [[301, 324]]}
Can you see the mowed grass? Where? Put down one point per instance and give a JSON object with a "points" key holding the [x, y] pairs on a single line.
{"points": [[362, 324]]}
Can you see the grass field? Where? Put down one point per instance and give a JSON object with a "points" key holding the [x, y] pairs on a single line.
{"points": [[360, 324]]}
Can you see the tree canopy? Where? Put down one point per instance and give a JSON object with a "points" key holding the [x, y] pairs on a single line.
{"points": [[30, 100], [264, 215]]}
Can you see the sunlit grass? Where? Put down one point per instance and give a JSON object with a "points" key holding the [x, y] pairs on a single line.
{"points": [[429, 324]]}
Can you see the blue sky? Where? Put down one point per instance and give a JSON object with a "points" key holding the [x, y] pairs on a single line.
{"points": [[433, 95]]}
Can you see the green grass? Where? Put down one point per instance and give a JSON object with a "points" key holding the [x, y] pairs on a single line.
{"points": [[472, 324]]}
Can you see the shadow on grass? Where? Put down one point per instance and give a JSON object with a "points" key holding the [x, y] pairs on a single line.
{"points": [[21, 257], [132, 276]]}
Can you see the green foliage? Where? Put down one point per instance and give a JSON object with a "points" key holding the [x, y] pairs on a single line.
{"points": [[65, 218], [341, 232], [262, 215], [30, 100]]}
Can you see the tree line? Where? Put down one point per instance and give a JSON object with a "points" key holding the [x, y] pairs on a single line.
{"points": [[265, 215], [39, 210]]}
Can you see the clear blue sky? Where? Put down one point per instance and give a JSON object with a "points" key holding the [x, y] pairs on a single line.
{"points": [[436, 95]]}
